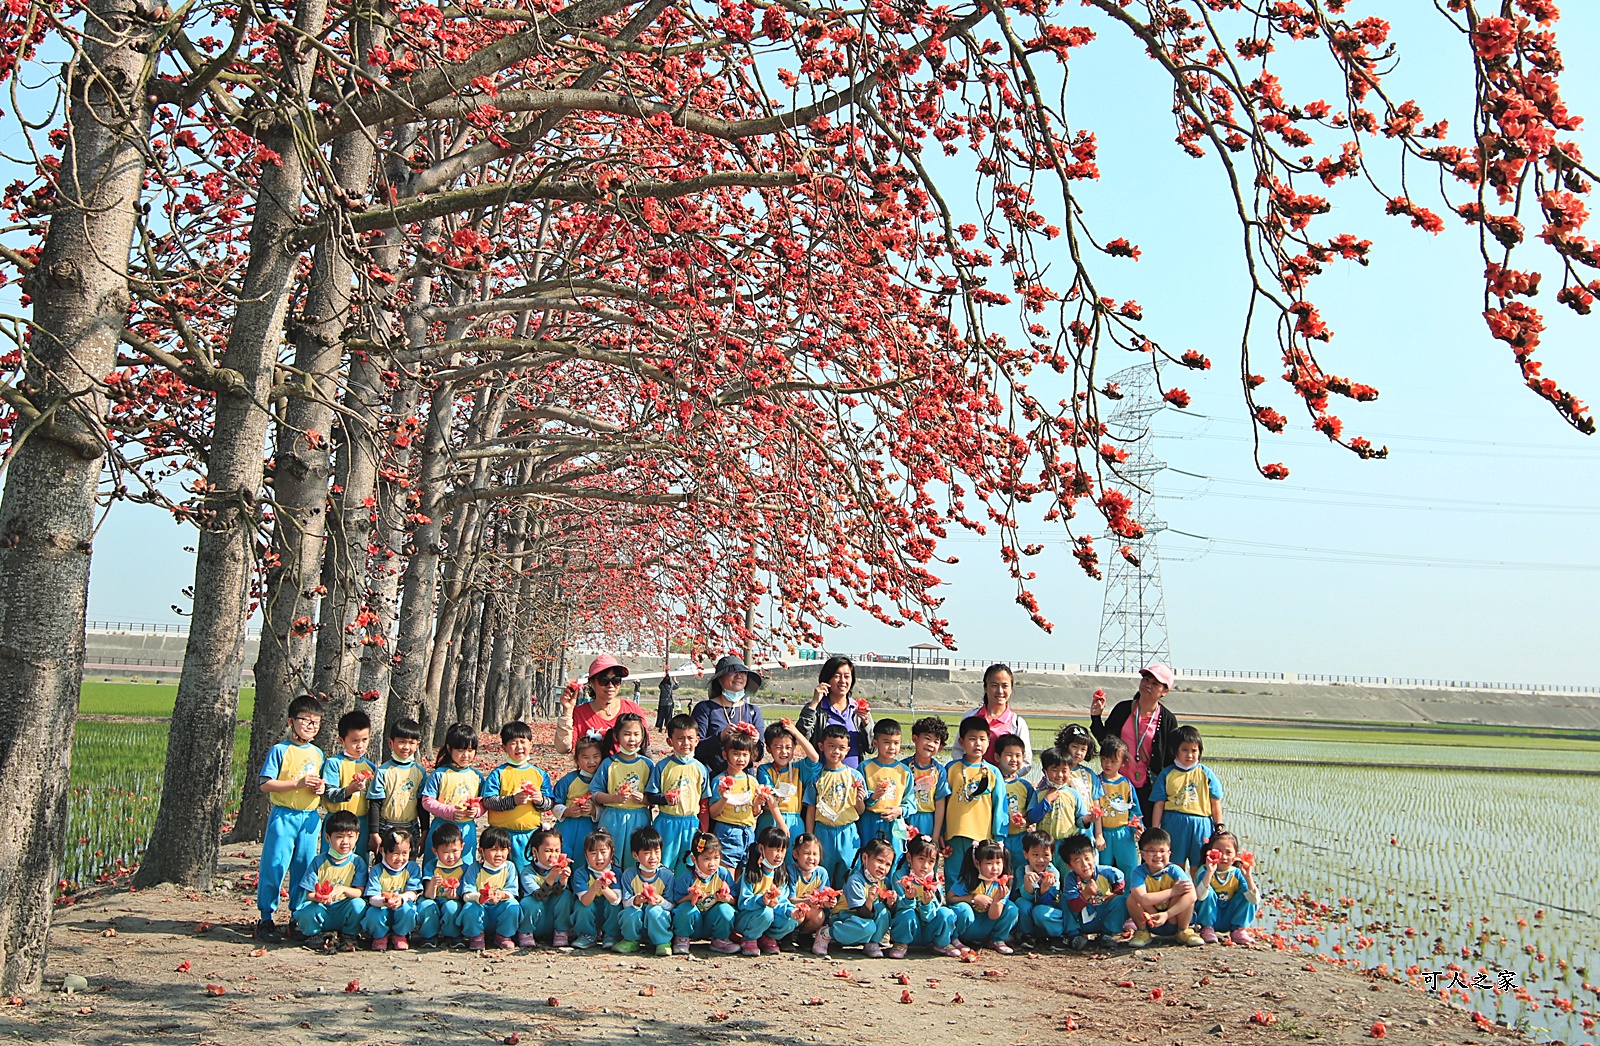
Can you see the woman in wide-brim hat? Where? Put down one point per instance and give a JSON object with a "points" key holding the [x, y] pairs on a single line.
{"points": [[597, 715], [733, 683]]}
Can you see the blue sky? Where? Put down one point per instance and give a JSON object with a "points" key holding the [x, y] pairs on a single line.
{"points": [[1468, 553]]}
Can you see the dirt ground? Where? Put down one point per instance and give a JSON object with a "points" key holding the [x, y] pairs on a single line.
{"points": [[150, 955]]}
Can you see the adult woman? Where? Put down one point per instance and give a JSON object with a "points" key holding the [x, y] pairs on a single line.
{"points": [[996, 710], [1145, 724], [830, 705], [732, 683], [597, 715]]}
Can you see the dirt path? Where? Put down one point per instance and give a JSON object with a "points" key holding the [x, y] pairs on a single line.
{"points": [[147, 984]]}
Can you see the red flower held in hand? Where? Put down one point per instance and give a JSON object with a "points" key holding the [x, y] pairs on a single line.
{"points": [[1247, 860], [561, 861], [671, 797], [863, 709], [1213, 857], [608, 878], [529, 788], [323, 891], [725, 784], [885, 894], [747, 729], [649, 894], [450, 882]]}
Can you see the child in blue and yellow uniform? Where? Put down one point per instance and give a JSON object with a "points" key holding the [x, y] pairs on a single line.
{"points": [[1114, 794], [1186, 801], [646, 916], [1226, 894], [809, 877], [349, 773], [835, 800], [619, 784], [1058, 809], [574, 795], [330, 906], [451, 792], [976, 808], [596, 899], [929, 735], [489, 910], [1160, 894], [291, 779], [516, 793], [396, 789], [867, 903], [676, 786], [393, 888], [793, 765], [1020, 796], [1094, 895], [765, 898], [891, 799], [982, 897], [702, 898], [546, 902], [1075, 743], [920, 915], [735, 796], [1040, 914], [443, 871]]}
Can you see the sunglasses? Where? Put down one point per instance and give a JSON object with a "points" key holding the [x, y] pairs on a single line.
{"points": [[608, 680]]}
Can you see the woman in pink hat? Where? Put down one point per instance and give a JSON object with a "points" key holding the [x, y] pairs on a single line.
{"points": [[605, 704], [1145, 724]]}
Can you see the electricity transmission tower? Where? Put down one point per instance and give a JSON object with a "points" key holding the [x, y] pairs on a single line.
{"points": [[1133, 621]]}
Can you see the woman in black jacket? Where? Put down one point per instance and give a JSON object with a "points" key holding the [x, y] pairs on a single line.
{"points": [[1147, 725]]}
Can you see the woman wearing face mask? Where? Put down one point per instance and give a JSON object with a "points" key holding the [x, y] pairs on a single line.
{"points": [[732, 685], [599, 714]]}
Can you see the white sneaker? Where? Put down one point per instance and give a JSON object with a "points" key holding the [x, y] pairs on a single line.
{"points": [[820, 945]]}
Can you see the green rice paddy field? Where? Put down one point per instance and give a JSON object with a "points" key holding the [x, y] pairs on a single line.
{"points": [[1392, 849]]}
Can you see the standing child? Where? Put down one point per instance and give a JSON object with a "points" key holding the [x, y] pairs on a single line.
{"points": [[976, 808], [396, 790], [1225, 894], [702, 899], [489, 910], [1095, 895], [766, 897], [1119, 808], [439, 913], [891, 799], [868, 902], [835, 800], [1186, 801], [1058, 809], [929, 736], [1011, 752], [349, 774], [291, 779], [921, 918], [735, 796], [982, 896], [1039, 905], [1074, 742], [451, 792], [1160, 894], [596, 899], [811, 907], [646, 915], [575, 810], [516, 792], [787, 776], [620, 783], [330, 905], [393, 888], [546, 902], [677, 784]]}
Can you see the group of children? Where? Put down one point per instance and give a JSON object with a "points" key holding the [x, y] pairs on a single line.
{"points": [[631, 853]]}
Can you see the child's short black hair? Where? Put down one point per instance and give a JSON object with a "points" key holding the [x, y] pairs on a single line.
{"points": [[1074, 734], [932, 726], [1034, 839], [1005, 741], [806, 839], [886, 728], [1215, 839], [642, 839], [736, 740], [921, 846], [459, 736], [352, 721], [445, 833], [973, 724], [1075, 844], [872, 847], [305, 704], [516, 730], [1154, 837], [495, 838], [1113, 745], [342, 821], [1188, 735], [680, 722], [1049, 759], [835, 732], [541, 836], [587, 741], [597, 838], [404, 729], [389, 839], [773, 732]]}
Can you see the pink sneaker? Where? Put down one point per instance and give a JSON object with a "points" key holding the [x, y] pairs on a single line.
{"points": [[724, 947], [527, 940], [475, 944], [559, 940], [680, 946], [874, 950], [951, 951], [1241, 937], [750, 948], [898, 951], [769, 946], [506, 944], [1208, 935], [1003, 948], [399, 942], [820, 945], [380, 944]]}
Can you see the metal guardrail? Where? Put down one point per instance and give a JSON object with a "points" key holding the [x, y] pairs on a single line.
{"points": [[141, 627]]}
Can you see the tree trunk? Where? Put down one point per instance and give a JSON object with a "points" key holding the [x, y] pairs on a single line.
{"points": [[184, 843], [467, 663], [80, 299]]}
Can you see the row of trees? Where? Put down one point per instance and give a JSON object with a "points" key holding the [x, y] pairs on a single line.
{"points": [[457, 332]]}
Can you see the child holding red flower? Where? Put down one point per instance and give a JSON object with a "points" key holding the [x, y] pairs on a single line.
{"points": [[766, 908], [677, 785], [439, 911], [451, 791], [702, 899], [349, 773], [982, 896], [920, 915], [1225, 892], [597, 904], [867, 903], [546, 902], [736, 797]]}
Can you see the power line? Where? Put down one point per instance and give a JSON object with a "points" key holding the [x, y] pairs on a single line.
{"points": [[1306, 553], [1265, 491]]}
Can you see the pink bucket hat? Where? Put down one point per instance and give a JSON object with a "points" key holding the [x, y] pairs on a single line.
{"points": [[603, 662], [1160, 673]]}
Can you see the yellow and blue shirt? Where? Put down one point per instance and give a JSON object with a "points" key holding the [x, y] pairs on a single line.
{"points": [[397, 789], [976, 808], [453, 785], [507, 779], [701, 892], [1061, 814], [928, 783], [833, 793], [1089, 894], [740, 808], [616, 771], [990, 888], [687, 776], [634, 880], [349, 870], [383, 879], [481, 877], [285, 762], [1019, 800], [1186, 791], [789, 783], [1118, 801], [339, 771], [1156, 882], [899, 796], [805, 886]]}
